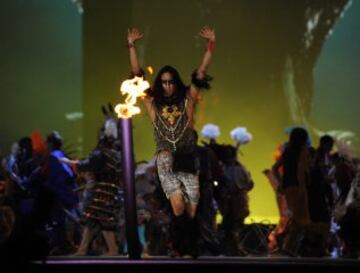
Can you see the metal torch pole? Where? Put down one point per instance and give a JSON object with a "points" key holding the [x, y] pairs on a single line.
{"points": [[131, 224]]}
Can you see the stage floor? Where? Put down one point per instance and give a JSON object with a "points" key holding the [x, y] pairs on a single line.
{"points": [[220, 264]]}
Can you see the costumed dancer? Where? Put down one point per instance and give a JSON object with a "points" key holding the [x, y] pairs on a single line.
{"points": [[296, 162], [209, 242], [274, 176], [347, 209], [170, 105], [102, 199], [236, 201]]}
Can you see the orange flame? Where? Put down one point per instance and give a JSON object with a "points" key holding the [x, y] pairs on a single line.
{"points": [[150, 69], [134, 88]]}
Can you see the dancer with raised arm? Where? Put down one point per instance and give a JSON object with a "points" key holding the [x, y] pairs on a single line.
{"points": [[170, 105]]}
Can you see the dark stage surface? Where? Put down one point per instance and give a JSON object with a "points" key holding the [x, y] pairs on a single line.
{"points": [[202, 264]]}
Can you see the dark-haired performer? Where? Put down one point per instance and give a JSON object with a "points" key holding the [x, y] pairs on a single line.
{"points": [[170, 105]]}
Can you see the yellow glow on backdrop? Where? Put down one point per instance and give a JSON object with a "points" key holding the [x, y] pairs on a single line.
{"points": [[216, 107], [259, 72], [255, 68]]}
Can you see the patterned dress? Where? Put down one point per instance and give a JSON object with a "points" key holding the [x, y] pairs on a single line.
{"points": [[175, 144]]}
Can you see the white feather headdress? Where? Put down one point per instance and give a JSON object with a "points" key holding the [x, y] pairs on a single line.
{"points": [[110, 129], [241, 135], [210, 131]]}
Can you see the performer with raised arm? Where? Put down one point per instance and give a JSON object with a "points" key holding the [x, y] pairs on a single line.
{"points": [[170, 105]]}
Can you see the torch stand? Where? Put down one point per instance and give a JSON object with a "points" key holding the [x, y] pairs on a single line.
{"points": [[131, 224]]}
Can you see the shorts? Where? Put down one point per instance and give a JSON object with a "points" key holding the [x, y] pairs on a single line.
{"points": [[184, 183]]}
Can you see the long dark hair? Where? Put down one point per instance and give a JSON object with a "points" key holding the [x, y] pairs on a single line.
{"points": [[298, 139], [157, 91]]}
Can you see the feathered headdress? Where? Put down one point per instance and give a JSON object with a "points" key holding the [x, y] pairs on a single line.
{"points": [[111, 125], [210, 131], [111, 129], [346, 149], [345, 141], [38, 143], [241, 135]]}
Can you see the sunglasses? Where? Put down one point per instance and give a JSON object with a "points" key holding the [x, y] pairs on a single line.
{"points": [[167, 82]]}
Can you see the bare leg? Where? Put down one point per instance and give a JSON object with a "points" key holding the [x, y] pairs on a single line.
{"points": [[85, 241], [191, 210], [177, 204], [111, 243]]}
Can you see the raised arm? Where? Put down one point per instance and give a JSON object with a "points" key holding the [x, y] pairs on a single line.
{"points": [[134, 35], [199, 78], [207, 33]]}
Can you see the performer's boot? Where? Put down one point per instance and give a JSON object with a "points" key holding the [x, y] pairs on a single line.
{"points": [[230, 242], [109, 237], [191, 247], [177, 235], [208, 237]]}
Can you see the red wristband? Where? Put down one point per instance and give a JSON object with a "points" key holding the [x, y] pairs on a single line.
{"points": [[210, 46]]}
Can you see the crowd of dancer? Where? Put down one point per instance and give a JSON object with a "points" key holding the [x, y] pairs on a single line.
{"points": [[75, 207], [317, 193], [48, 208], [53, 205]]}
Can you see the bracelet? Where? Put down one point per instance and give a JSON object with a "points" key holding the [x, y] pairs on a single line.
{"points": [[211, 46], [131, 44]]}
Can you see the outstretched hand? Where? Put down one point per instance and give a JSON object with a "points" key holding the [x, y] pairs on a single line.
{"points": [[67, 161], [134, 34], [207, 33]]}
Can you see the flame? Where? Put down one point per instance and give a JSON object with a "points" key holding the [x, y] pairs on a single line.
{"points": [[134, 88], [150, 69]]}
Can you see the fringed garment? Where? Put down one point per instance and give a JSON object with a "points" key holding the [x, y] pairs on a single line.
{"points": [[102, 200]]}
